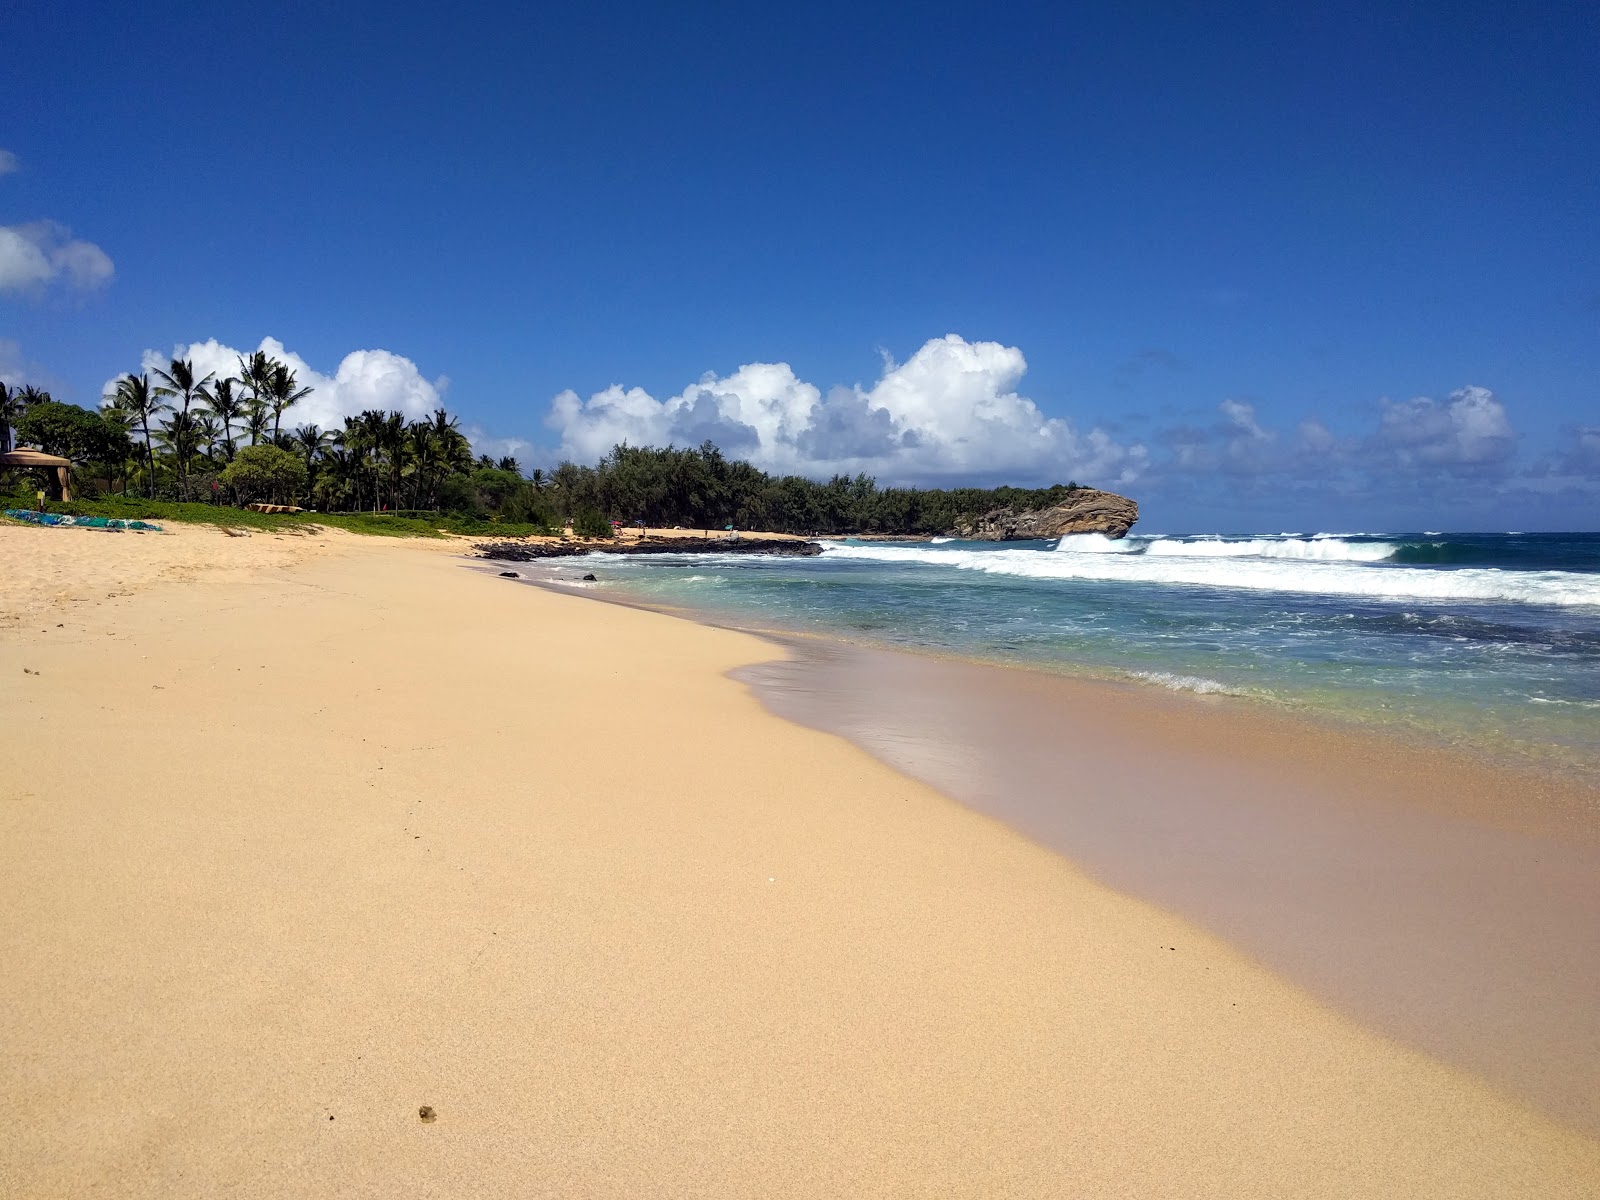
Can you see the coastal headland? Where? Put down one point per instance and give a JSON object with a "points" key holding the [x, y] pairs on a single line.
{"points": [[307, 835]]}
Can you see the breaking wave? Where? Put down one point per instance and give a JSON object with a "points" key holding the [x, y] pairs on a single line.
{"points": [[1338, 572], [1318, 549]]}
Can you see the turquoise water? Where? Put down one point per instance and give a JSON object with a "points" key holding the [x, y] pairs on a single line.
{"points": [[1488, 638]]}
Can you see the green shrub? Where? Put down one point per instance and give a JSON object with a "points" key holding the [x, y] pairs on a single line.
{"points": [[591, 523], [265, 473]]}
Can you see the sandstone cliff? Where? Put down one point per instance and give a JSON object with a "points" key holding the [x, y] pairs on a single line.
{"points": [[1086, 510]]}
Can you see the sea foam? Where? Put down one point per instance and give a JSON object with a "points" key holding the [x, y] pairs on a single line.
{"points": [[1306, 576], [1318, 549]]}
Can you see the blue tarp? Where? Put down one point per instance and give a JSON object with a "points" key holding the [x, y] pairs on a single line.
{"points": [[48, 518]]}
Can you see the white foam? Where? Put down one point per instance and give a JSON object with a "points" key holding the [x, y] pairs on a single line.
{"points": [[1267, 574], [1095, 543], [1198, 684], [1322, 549]]}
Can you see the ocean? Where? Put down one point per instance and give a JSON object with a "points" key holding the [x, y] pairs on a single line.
{"points": [[1486, 640]]}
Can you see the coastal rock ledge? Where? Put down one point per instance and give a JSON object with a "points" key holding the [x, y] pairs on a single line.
{"points": [[1087, 510]]}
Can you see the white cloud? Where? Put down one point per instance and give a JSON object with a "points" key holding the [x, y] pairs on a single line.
{"points": [[1470, 430], [45, 252], [951, 412], [364, 379], [8, 162]]}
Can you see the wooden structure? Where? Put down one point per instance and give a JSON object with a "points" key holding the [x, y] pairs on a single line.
{"points": [[36, 458]]}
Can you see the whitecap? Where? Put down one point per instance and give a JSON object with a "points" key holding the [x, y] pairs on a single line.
{"points": [[1323, 549], [1268, 574]]}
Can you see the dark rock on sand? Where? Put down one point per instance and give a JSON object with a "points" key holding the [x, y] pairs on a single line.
{"points": [[1087, 510], [531, 551], [509, 575]]}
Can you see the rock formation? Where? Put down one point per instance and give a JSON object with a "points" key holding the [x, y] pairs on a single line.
{"points": [[1087, 510]]}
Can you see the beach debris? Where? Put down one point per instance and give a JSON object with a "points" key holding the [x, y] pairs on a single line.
{"points": [[509, 575], [427, 1114]]}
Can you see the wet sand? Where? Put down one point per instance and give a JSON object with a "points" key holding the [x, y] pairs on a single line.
{"points": [[1453, 905]]}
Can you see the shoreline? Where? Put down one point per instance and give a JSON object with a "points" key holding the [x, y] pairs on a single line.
{"points": [[1562, 758], [364, 831], [1417, 855]]}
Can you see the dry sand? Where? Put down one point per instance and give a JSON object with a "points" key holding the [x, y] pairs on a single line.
{"points": [[343, 828]]}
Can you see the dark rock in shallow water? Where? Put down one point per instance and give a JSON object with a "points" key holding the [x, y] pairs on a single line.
{"points": [[590, 579], [509, 575], [1087, 510], [531, 551]]}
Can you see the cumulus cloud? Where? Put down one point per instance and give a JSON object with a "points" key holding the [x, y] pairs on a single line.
{"points": [[950, 413], [364, 379], [1469, 431], [8, 162], [45, 252]]}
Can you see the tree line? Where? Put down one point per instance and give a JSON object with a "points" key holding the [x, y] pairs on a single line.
{"points": [[174, 434]]}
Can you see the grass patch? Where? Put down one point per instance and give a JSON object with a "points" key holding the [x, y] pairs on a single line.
{"points": [[224, 517]]}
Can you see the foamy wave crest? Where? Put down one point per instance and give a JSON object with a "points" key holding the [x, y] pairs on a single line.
{"points": [[1304, 576], [1319, 549], [1095, 543], [1198, 684]]}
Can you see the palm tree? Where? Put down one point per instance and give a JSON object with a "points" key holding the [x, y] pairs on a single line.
{"points": [[179, 380], [420, 449], [227, 408], [181, 434], [357, 441], [255, 377], [339, 465], [207, 432], [392, 439], [255, 421], [10, 413], [135, 396], [509, 463], [31, 395], [313, 442], [113, 410], [283, 392]]}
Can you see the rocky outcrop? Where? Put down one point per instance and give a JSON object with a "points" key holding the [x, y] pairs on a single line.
{"points": [[1086, 510], [530, 551]]}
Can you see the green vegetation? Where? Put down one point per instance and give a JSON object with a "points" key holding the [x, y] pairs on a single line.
{"points": [[266, 473], [156, 447], [702, 489], [591, 523]]}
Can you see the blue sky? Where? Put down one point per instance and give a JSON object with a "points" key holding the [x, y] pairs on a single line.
{"points": [[1256, 265]]}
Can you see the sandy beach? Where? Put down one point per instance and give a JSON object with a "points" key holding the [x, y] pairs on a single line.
{"points": [[303, 834]]}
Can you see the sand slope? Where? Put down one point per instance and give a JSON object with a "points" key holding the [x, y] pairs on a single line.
{"points": [[342, 836]]}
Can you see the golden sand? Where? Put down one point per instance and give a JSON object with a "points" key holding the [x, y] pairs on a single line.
{"points": [[302, 835]]}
